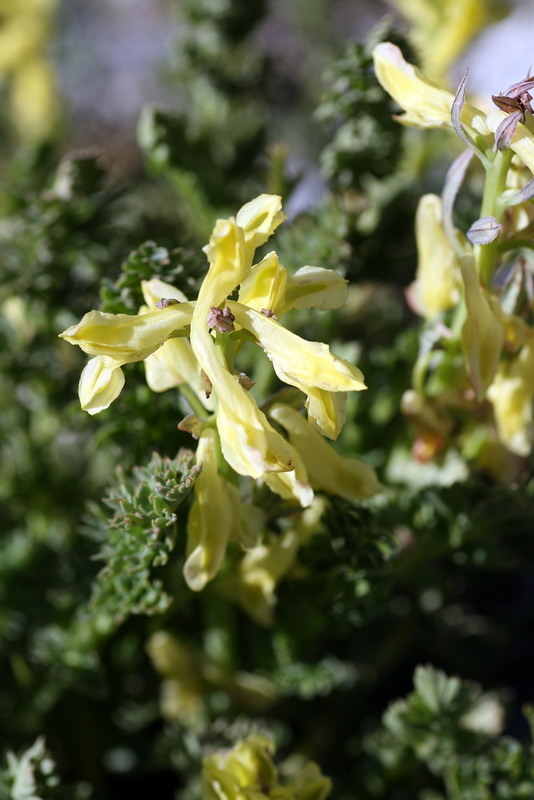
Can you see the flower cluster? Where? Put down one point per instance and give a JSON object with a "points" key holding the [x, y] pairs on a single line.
{"points": [[474, 289], [195, 344], [247, 772]]}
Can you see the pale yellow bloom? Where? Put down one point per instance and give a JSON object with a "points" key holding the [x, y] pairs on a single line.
{"points": [[127, 337], [350, 478], [428, 106], [441, 30], [258, 220], [210, 519], [101, 382], [309, 366], [269, 286], [483, 330], [247, 772], [436, 284], [265, 285], [261, 570], [425, 103], [511, 395], [249, 443], [174, 362]]}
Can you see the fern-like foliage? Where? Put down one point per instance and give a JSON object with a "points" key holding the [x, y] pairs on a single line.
{"points": [[139, 536], [179, 267]]}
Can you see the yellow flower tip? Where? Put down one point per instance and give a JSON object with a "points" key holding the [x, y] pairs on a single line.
{"points": [[209, 523], [259, 218], [196, 574], [101, 382], [426, 105], [436, 287], [127, 337], [350, 478]]}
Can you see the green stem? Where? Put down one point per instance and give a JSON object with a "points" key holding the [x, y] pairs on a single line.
{"points": [[193, 401], [495, 184]]}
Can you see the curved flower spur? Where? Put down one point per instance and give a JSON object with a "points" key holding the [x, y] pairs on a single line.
{"points": [[195, 344]]}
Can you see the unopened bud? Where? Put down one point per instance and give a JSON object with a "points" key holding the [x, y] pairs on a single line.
{"points": [[484, 230], [206, 384]]}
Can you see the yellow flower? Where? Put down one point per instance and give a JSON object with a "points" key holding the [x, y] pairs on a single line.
{"points": [[441, 30], [511, 395], [249, 443], [174, 362], [425, 103], [127, 337], [100, 383], [309, 366], [247, 772], [115, 340], [269, 286], [435, 288], [483, 330], [210, 519], [350, 478], [428, 106]]}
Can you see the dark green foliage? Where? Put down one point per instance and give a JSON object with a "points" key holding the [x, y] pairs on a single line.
{"points": [[451, 727], [179, 267], [366, 141], [140, 536]]}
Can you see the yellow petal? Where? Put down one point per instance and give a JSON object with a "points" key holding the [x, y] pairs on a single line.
{"points": [[425, 104], [210, 519], [100, 383], [291, 485], [265, 285], [228, 267], [482, 332], [155, 290], [314, 287], [249, 443], [326, 410], [259, 219], [171, 365], [307, 363], [436, 285], [349, 478], [127, 337], [511, 395]]}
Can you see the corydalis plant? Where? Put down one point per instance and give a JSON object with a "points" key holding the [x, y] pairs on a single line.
{"points": [[193, 345], [474, 288]]}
